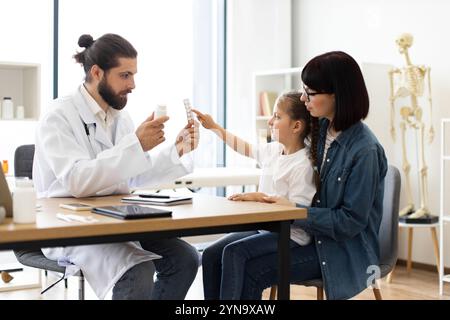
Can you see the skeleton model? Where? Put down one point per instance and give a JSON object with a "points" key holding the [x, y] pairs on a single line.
{"points": [[409, 81]]}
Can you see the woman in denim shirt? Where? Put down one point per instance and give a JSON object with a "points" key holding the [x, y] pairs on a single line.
{"points": [[345, 215]]}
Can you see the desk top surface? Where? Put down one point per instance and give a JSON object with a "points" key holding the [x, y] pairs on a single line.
{"points": [[221, 172], [215, 177], [205, 211]]}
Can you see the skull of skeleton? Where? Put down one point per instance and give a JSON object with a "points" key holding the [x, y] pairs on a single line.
{"points": [[404, 41]]}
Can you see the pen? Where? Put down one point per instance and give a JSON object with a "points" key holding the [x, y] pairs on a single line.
{"points": [[157, 196]]}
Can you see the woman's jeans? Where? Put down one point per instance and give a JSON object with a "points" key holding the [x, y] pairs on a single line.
{"points": [[241, 265], [175, 272]]}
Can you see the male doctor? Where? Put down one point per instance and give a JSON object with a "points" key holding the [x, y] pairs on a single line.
{"points": [[86, 146]]}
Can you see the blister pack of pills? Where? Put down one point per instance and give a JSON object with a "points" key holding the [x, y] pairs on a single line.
{"points": [[188, 107]]}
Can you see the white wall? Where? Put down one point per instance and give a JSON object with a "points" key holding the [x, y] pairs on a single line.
{"points": [[26, 30], [258, 39], [367, 30]]}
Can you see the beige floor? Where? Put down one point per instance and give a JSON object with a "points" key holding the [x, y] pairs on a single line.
{"points": [[419, 285]]}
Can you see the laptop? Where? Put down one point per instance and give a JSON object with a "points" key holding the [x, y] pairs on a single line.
{"points": [[5, 195]]}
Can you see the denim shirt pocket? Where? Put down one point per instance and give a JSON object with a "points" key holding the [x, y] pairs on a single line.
{"points": [[336, 181]]}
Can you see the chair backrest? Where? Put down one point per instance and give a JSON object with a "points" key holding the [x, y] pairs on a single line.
{"points": [[23, 161], [388, 234]]}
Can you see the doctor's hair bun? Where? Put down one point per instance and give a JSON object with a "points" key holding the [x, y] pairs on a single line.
{"points": [[85, 41]]}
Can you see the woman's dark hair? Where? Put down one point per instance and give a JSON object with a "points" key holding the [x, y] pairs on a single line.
{"points": [[296, 109], [104, 52], [337, 72]]}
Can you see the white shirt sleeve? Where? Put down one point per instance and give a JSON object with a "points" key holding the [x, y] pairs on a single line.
{"points": [[266, 156], [301, 184], [66, 161], [164, 166], [265, 152], [63, 164]]}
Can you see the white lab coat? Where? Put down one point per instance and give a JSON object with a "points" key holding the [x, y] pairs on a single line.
{"points": [[70, 163]]}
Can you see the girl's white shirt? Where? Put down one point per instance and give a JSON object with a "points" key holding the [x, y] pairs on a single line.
{"points": [[289, 176]]}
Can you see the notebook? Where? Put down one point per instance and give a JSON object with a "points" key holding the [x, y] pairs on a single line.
{"points": [[131, 212], [169, 201]]}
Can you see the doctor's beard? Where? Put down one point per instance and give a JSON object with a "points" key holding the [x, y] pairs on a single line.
{"points": [[116, 100]]}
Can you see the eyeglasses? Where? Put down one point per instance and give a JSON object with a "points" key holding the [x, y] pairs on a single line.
{"points": [[311, 94]]}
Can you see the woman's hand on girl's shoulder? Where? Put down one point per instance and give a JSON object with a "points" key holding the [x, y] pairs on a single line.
{"points": [[278, 200]]}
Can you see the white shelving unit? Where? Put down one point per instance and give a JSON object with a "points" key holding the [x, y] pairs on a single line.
{"points": [[21, 82], [278, 80], [445, 156]]}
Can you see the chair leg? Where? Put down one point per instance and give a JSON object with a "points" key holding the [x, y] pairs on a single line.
{"points": [[46, 273], [377, 294], [319, 293], [273, 292], [410, 242], [274, 288], [81, 288], [65, 283], [435, 246], [390, 275]]}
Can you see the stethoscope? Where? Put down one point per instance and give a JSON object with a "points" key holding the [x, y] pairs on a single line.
{"points": [[89, 133], [88, 128]]}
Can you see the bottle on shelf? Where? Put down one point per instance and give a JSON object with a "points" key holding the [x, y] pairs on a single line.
{"points": [[7, 108], [5, 167], [20, 112]]}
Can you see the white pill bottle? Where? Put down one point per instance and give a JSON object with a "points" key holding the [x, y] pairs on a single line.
{"points": [[24, 202], [7, 108], [160, 111]]}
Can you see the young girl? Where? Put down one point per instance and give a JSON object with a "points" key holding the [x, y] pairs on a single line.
{"points": [[287, 171]]}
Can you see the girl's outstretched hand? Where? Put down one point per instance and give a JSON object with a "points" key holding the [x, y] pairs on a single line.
{"points": [[205, 120]]}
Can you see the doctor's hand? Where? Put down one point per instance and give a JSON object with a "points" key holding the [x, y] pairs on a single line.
{"points": [[150, 133], [187, 139]]}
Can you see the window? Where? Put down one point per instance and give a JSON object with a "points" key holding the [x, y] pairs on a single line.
{"points": [[175, 43]]}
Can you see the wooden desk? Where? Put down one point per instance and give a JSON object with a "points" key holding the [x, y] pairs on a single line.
{"points": [[206, 215]]}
